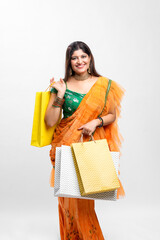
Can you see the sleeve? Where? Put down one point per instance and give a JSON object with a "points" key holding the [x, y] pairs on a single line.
{"points": [[113, 135], [53, 90], [114, 99]]}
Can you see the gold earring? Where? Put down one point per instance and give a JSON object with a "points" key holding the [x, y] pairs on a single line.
{"points": [[89, 69], [71, 71]]}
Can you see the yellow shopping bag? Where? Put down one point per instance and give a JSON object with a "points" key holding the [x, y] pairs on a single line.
{"points": [[94, 167], [41, 134]]}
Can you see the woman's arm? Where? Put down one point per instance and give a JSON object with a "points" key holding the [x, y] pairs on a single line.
{"points": [[109, 118], [52, 113], [91, 126]]}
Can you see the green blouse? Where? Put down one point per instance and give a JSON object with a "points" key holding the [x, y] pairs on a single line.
{"points": [[72, 101]]}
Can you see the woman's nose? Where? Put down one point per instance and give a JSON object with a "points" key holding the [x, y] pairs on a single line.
{"points": [[79, 60]]}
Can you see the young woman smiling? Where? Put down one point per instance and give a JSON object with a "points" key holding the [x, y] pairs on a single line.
{"points": [[81, 95]]}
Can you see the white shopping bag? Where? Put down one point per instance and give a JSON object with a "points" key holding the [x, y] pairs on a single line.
{"points": [[66, 182]]}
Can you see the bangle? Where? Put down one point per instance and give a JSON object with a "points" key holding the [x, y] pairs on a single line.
{"points": [[101, 125], [58, 102]]}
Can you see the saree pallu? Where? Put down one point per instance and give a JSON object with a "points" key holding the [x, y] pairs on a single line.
{"points": [[77, 217]]}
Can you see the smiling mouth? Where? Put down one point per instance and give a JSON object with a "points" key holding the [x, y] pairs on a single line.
{"points": [[80, 66]]}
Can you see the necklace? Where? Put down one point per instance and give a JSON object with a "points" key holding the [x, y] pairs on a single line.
{"points": [[81, 78]]}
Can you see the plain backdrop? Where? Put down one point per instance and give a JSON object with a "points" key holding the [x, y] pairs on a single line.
{"points": [[124, 37]]}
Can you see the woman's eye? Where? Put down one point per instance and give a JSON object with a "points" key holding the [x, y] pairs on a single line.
{"points": [[74, 58]]}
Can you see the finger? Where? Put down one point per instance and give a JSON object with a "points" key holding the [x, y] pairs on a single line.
{"points": [[85, 133], [52, 79], [89, 132], [80, 128], [52, 83], [61, 80]]}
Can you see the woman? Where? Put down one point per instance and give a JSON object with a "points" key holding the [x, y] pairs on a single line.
{"points": [[81, 94]]}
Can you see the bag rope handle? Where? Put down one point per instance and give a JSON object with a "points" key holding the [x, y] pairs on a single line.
{"points": [[81, 138], [49, 86]]}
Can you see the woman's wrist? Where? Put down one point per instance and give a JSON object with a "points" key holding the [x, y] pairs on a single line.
{"points": [[99, 122], [58, 102], [60, 95]]}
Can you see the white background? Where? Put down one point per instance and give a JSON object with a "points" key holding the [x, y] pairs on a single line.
{"points": [[124, 37]]}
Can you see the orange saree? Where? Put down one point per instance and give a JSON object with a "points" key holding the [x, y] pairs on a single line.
{"points": [[77, 217]]}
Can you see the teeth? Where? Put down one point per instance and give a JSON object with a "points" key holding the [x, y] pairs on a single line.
{"points": [[80, 66]]}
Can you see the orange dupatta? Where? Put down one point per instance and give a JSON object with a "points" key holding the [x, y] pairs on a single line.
{"points": [[90, 107]]}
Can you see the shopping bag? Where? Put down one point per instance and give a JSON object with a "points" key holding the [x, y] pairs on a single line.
{"points": [[94, 166], [41, 134], [66, 182]]}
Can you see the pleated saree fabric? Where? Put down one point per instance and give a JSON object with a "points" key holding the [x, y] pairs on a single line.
{"points": [[77, 217]]}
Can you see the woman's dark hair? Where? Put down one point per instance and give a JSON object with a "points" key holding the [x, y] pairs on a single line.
{"points": [[69, 52]]}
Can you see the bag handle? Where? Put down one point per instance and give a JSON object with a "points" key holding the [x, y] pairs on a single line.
{"points": [[49, 86], [81, 138]]}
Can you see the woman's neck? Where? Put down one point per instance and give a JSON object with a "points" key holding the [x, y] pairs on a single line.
{"points": [[81, 77]]}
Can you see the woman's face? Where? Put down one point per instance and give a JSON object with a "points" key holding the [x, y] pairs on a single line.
{"points": [[80, 61]]}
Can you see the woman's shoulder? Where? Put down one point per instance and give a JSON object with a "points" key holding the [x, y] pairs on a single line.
{"points": [[115, 87], [104, 81], [107, 79]]}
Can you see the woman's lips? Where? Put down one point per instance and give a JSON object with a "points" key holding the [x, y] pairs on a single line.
{"points": [[81, 66]]}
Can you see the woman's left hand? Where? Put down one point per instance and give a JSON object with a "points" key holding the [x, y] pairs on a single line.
{"points": [[89, 127]]}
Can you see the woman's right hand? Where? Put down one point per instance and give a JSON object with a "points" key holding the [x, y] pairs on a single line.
{"points": [[60, 86]]}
